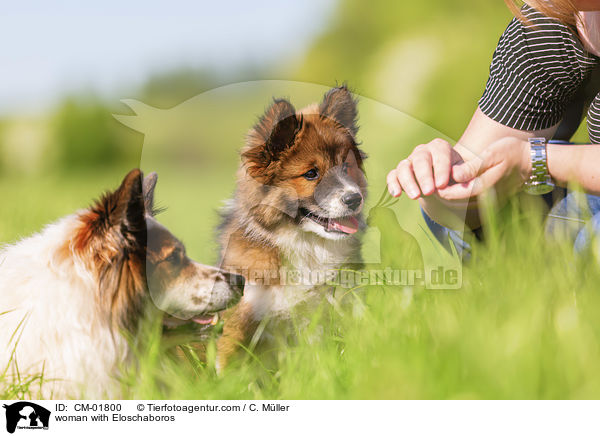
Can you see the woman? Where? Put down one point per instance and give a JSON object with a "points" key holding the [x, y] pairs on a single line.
{"points": [[541, 74]]}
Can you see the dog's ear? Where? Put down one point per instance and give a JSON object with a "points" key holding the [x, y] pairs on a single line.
{"points": [[283, 135], [114, 230], [122, 211], [148, 186], [125, 206], [274, 133], [339, 105]]}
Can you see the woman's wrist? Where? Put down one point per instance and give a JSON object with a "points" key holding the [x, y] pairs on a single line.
{"points": [[568, 163], [560, 159], [525, 166]]}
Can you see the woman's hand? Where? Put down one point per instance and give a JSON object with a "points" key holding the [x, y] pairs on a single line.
{"points": [[425, 171], [505, 165]]}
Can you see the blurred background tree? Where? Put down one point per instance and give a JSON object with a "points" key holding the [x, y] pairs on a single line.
{"points": [[428, 59], [168, 88], [86, 135]]}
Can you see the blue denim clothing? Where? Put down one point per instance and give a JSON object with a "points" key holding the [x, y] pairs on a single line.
{"points": [[585, 235], [444, 235], [576, 217], [580, 216]]}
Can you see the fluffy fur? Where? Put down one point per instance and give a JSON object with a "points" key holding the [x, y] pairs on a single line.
{"points": [[296, 210], [69, 293]]}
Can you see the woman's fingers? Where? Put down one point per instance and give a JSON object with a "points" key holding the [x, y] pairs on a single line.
{"points": [[401, 179], [441, 167], [458, 191], [405, 176], [475, 186], [439, 152], [467, 183], [427, 168], [422, 164], [465, 171], [470, 169], [500, 163], [393, 184]]}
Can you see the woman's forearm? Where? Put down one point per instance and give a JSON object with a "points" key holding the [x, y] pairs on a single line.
{"points": [[575, 163]]}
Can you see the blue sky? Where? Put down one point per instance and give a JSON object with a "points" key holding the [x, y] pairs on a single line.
{"points": [[50, 48]]}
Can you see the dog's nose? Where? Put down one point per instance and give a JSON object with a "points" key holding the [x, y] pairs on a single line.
{"points": [[352, 200], [236, 281]]}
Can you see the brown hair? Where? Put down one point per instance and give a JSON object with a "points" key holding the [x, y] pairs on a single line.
{"points": [[563, 10]]}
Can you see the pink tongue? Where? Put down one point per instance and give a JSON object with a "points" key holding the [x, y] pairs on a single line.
{"points": [[346, 225], [203, 319]]}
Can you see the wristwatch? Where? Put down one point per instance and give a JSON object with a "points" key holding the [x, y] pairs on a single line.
{"points": [[540, 181]]}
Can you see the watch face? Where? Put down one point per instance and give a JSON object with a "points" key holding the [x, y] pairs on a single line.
{"points": [[538, 188]]}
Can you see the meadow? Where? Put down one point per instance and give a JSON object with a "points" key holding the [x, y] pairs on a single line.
{"points": [[524, 322]]}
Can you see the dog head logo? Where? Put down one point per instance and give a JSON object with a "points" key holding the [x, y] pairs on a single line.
{"points": [[301, 168], [26, 415]]}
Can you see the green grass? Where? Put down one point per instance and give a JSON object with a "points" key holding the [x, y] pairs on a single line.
{"points": [[525, 324]]}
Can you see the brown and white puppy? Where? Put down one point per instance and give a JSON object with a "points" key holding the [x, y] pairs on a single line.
{"points": [[69, 292], [296, 211]]}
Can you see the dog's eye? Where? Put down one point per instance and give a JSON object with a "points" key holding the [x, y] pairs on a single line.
{"points": [[173, 257], [311, 174]]}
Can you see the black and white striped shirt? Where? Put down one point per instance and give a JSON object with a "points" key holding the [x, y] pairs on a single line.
{"points": [[536, 72]]}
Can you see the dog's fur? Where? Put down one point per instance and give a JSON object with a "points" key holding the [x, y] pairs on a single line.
{"points": [[68, 293], [267, 227]]}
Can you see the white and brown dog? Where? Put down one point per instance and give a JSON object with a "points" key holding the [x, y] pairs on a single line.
{"points": [[68, 293], [297, 208]]}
